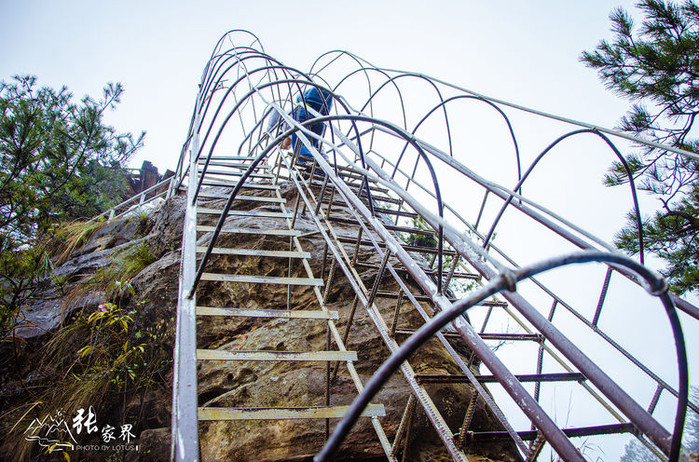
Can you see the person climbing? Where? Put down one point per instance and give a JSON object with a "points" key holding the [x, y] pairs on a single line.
{"points": [[320, 101], [317, 100]]}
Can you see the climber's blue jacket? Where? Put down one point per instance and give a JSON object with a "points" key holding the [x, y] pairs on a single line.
{"points": [[318, 100]]}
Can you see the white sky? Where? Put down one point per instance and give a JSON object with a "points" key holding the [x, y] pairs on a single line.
{"points": [[526, 52]]}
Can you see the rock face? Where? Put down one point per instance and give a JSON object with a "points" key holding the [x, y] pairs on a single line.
{"points": [[258, 384]]}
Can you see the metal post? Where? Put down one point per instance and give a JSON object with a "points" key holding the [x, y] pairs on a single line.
{"points": [[185, 438]]}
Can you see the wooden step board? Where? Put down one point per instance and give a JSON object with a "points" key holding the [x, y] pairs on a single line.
{"points": [[285, 413], [269, 355]]}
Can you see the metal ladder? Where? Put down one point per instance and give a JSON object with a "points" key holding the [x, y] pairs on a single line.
{"points": [[262, 188], [403, 262]]}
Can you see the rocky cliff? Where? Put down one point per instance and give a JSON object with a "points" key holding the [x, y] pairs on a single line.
{"points": [[99, 336]]}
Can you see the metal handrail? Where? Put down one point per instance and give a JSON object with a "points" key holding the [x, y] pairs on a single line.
{"points": [[140, 198], [500, 274]]}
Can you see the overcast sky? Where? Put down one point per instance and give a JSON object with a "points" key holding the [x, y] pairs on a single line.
{"points": [[526, 52]]}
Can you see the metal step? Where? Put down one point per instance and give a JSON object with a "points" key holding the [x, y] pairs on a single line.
{"points": [[256, 252], [425, 298], [215, 158], [484, 336], [285, 413], [252, 279], [552, 377], [239, 197], [457, 274], [225, 173], [270, 355], [245, 213], [219, 163], [247, 185], [569, 432], [265, 232], [260, 313]]}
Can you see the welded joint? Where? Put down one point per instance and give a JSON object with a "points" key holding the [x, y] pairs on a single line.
{"points": [[661, 290], [509, 280]]}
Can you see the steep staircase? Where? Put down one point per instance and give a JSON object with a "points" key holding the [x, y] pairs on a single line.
{"points": [[436, 291]]}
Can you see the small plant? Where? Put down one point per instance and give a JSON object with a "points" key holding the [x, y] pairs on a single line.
{"points": [[21, 270], [69, 236], [144, 223], [419, 239], [107, 357], [114, 279]]}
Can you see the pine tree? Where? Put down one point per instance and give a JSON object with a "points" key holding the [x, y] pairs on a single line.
{"points": [[656, 66], [58, 161]]}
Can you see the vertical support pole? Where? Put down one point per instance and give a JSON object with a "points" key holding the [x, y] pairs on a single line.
{"points": [[404, 424], [394, 324], [536, 447], [170, 187], [602, 296], [468, 418], [141, 201], [185, 438], [327, 384]]}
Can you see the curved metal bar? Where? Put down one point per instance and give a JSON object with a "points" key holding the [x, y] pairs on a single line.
{"points": [[646, 423], [494, 106], [549, 148], [507, 281], [213, 73], [230, 114], [230, 90], [548, 115], [278, 140], [363, 69]]}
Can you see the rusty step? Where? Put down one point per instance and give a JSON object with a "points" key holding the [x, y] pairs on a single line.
{"points": [[425, 298], [485, 336], [552, 377], [577, 432]]}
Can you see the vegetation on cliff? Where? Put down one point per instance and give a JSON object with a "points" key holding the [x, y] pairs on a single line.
{"points": [[59, 161]]}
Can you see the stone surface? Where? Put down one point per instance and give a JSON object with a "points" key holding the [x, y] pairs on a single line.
{"points": [[275, 384]]}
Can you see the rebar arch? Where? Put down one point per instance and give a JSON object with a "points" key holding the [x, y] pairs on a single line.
{"points": [[419, 205]]}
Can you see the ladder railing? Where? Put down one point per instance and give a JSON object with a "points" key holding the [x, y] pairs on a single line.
{"points": [[425, 247]]}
